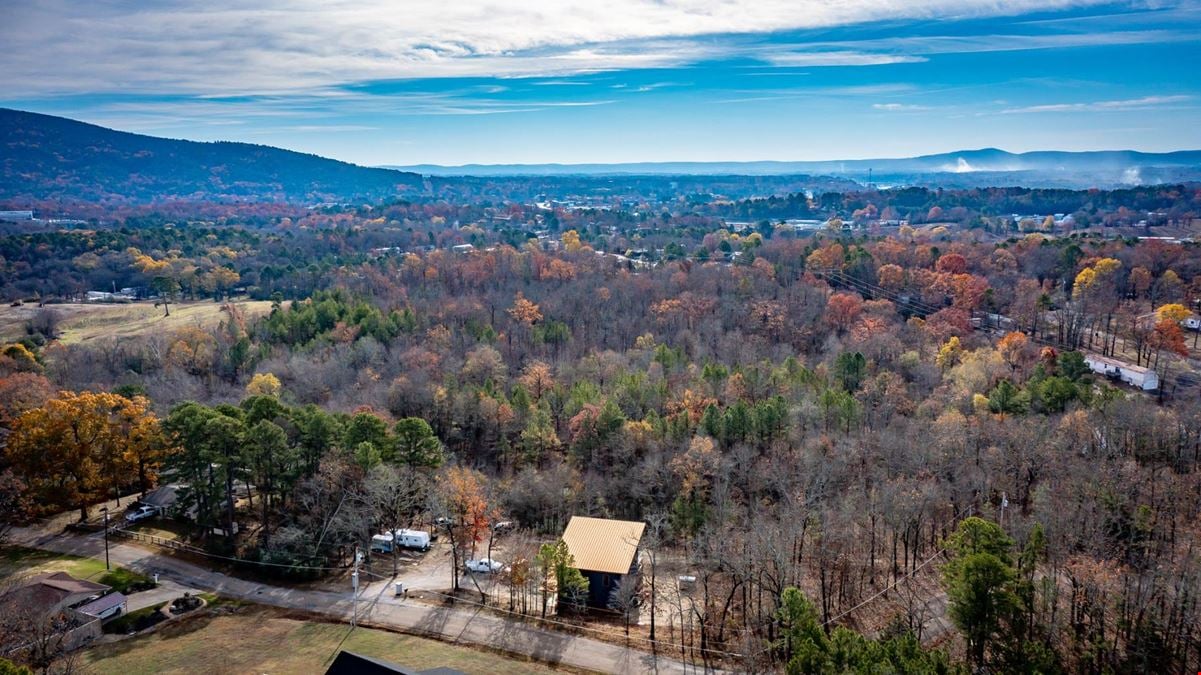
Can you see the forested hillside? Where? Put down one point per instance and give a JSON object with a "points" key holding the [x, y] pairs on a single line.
{"points": [[903, 427], [45, 158]]}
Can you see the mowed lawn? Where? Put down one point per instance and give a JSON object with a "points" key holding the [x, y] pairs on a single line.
{"points": [[17, 563], [264, 640], [83, 322]]}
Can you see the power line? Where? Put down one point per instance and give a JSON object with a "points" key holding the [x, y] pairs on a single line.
{"points": [[896, 583], [660, 643]]}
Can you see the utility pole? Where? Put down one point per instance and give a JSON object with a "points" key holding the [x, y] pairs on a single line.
{"points": [[105, 511], [354, 584]]}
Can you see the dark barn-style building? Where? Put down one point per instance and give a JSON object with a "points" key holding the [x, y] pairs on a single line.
{"points": [[605, 552]]}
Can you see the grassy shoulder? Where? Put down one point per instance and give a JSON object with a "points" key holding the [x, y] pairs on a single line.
{"points": [[19, 561], [84, 322], [264, 640]]}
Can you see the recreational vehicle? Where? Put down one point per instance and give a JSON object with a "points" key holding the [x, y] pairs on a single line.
{"points": [[411, 539]]}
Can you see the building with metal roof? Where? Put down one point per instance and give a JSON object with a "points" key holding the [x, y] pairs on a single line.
{"points": [[106, 606], [605, 551]]}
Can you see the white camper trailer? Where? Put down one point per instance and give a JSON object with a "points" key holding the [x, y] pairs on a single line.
{"points": [[410, 539], [415, 539]]}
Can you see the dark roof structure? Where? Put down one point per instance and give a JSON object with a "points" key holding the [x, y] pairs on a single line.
{"points": [[103, 604], [161, 498], [350, 663]]}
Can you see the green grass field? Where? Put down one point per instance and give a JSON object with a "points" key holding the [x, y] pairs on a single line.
{"points": [[83, 322], [262, 640]]}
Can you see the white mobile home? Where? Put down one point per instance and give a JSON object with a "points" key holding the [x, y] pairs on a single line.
{"points": [[1135, 376]]}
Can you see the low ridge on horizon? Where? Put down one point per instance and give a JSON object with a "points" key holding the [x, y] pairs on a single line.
{"points": [[926, 163]]}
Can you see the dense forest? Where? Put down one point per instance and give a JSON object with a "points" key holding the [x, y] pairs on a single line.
{"points": [[833, 428], [266, 250]]}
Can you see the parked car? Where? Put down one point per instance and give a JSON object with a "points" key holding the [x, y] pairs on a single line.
{"points": [[141, 513], [485, 566], [503, 526]]}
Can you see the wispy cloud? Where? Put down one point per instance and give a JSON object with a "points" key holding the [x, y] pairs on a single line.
{"points": [[840, 58], [818, 93], [1118, 105], [222, 46], [319, 111], [327, 128]]}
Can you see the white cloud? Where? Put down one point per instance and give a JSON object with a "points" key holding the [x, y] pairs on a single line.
{"points": [[898, 107], [968, 44], [1125, 104], [226, 47]]}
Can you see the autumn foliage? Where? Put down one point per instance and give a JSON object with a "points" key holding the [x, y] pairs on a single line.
{"points": [[77, 448]]}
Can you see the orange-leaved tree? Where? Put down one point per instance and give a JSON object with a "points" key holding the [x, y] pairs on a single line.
{"points": [[78, 448], [467, 513]]}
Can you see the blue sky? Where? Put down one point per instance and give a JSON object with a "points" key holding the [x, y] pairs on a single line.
{"points": [[381, 82]]}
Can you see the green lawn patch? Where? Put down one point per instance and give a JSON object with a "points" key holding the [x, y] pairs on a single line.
{"points": [[127, 581], [16, 560]]}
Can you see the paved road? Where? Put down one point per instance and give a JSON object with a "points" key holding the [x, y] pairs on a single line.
{"points": [[475, 627]]}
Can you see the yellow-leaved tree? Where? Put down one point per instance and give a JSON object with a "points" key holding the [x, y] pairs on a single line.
{"points": [[1172, 312], [264, 384], [571, 241], [949, 353]]}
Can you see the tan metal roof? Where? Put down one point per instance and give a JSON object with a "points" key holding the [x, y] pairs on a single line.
{"points": [[603, 545]]}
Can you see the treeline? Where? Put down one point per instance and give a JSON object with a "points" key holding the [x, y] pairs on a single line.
{"points": [[282, 456], [189, 260]]}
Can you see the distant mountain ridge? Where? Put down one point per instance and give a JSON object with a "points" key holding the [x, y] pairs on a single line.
{"points": [[46, 157], [1104, 166]]}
